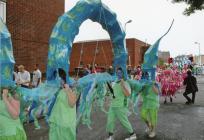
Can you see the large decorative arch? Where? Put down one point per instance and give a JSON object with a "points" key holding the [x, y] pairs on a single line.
{"points": [[67, 27]]}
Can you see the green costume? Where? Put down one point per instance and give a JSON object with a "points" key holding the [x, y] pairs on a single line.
{"points": [[63, 119], [150, 105], [10, 129], [119, 109]]}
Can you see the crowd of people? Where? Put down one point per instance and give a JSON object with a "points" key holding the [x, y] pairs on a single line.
{"points": [[172, 79], [64, 107], [23, 78], [88, 69], [64, 110]]}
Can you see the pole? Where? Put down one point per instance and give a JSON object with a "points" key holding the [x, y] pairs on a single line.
{"points": [[199, 54], [129, 61], [129, 21]]}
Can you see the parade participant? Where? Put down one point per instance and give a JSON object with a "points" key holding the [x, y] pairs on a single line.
{"points": [[34, 107], [119, 107], [191, 87], [62, 120], [150, 106], [110, 70], [167, 78], [10, 125], [87, 70]]}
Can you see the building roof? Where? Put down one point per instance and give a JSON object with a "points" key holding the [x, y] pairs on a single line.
{"points": [[102, 40]]}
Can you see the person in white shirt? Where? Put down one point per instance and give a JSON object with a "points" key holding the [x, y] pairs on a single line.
{"points": [[36, 76], [15, 73], [23, 78]]}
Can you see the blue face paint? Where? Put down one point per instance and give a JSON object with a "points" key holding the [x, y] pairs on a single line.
{"points": [[119, 74]]}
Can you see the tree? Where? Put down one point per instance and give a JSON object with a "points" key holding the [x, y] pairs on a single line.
{"points": [[193, 5]]}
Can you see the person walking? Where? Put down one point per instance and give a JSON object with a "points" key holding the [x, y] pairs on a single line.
{"points": [[119, 107], [62, 120], [150, 107], [10, 125], [191, 87]]}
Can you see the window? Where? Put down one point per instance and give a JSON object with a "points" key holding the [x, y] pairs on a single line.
{"points": [[3, 10]]}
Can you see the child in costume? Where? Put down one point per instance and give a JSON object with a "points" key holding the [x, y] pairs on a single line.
{"points": [[10, 125], [62, 120], [150, 106], [119, 107]]}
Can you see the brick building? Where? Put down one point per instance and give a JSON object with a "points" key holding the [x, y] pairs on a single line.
{"points": [[199, 59], [30, 23], [102, 53], [164, 56]]}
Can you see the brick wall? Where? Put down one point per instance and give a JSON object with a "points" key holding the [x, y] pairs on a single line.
{"points": [[164, 56], [104, 57], [30, 23]]}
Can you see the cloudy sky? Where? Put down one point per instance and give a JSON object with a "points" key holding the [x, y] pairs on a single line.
{"points": [[151, 19]]}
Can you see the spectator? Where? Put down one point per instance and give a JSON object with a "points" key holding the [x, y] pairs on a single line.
{"points": [[15, 73], [110, 70], [93, 69], [23, 77], [36, 76], [129, 70], [87, 70]]}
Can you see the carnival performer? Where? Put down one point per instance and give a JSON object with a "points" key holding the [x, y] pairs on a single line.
{"points": [[62, 120], [10, 125], [119, 106], [150, 107], [167, 84]]}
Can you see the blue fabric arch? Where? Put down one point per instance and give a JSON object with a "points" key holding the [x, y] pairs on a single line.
{"points": [[67, 27], [6, 57]]}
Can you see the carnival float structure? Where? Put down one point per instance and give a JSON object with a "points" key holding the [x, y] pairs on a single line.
{"points": [[90, 88]]}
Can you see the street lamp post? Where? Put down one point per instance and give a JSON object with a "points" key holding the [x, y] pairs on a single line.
{"points": [[129, 21], [199, 56]]}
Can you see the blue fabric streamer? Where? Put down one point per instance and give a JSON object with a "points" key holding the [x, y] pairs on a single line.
{"points": [[6, 57]]}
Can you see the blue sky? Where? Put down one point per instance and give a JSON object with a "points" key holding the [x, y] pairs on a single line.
{"points": [[150, 19]]}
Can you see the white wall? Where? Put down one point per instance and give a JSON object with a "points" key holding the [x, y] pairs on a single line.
{"points": [[3, 11]]}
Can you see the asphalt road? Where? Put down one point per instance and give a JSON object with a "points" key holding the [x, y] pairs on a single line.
{"points": [[176, 121]]}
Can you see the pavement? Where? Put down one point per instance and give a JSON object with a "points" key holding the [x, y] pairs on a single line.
{"points": [[176, 121]]}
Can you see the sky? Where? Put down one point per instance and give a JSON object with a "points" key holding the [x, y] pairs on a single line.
{"points": [[150, 20]]}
